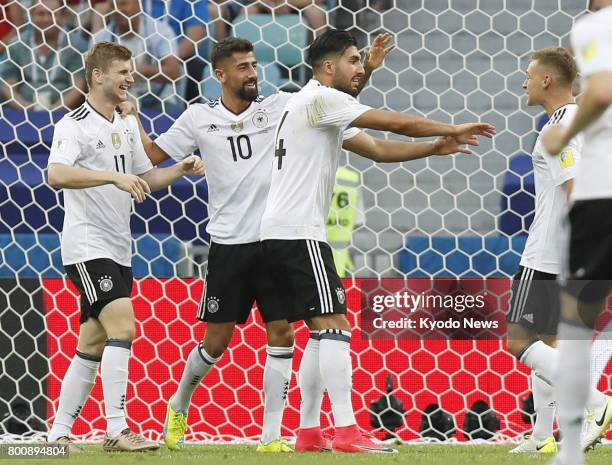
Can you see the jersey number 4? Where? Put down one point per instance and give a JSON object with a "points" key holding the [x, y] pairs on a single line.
{"points": [[280, 151], [244, 147]]}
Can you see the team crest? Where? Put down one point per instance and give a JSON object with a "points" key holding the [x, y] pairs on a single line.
{"points": [[589, 50], [341, 295], [260, 119], [106, 283], [238, 126], [212, 305], [116, 139], [131, 138]]}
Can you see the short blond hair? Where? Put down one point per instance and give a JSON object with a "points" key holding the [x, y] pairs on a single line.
{"points": [[561, 60], [101, 56]]}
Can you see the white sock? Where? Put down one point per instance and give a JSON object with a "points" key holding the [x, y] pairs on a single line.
{"points": [[198, 365], [76, 386], [115, 360], [336, 373], [572, 387], [277, 376], [542, 359], [311, 384], [601, 352], [544, 405]]}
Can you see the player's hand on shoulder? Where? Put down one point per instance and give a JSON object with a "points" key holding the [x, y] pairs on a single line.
{"points": [[553, 139], [134, 185], [446, 145], [468, 133], [127, 108], [380, 48], [192, 166]]}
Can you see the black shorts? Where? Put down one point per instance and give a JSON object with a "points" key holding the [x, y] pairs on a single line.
{"points": [[237, 277], [590, 249], [535, 302], [99, 281], [306, 277]]}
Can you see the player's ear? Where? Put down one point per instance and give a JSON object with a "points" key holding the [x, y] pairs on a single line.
{"points": [[547, 81], [96, 75], [220, 75], [329, 66]]}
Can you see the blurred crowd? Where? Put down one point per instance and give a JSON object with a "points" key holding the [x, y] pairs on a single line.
{"points": [[42, 43]]}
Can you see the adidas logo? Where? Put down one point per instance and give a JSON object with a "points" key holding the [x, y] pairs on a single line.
{"points": [[100, 145], [212, 128], [528, 317]]}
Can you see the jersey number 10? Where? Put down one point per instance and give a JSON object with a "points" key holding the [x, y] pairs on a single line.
{"points": [[244, 149]]}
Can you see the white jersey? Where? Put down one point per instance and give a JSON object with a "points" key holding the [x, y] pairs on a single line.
{"points": [[97, 219], [237, 151], [545, 242], [308, 141], [592, 42]]}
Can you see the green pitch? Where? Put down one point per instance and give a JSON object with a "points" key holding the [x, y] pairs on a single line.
{"points": [[246, 455]]}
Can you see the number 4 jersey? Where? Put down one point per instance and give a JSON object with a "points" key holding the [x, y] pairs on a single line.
{"points": [[97, 219], [237, 151]]}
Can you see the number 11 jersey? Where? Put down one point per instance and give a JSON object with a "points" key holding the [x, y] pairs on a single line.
{"points": [[237, 150]]}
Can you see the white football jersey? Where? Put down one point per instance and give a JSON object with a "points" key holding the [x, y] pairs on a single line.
{"points": [[545, 242], [307, 144], [236, 150], [97, 219], [592, 43]]}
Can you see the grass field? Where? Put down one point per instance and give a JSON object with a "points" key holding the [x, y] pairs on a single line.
{"points": [[245, 455]]}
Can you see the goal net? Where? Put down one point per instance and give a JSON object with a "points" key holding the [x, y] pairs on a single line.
{"points": [[462, 216]]}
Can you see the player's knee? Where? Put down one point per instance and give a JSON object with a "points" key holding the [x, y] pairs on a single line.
{"points": [[280, 334], [515, 346], [93, 350], [126, 333], [217, 338]]}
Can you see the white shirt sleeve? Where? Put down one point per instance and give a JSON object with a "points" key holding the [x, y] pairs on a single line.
{"points": [[179, 141], [141, 163], [65, 147], [331, 107], [592, 44], [349, 133]]}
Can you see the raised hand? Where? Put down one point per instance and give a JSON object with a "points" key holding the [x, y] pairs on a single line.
{"points": [[134, 185], [554, 139], [467, 133], [375, 55], [446, 145], [192, 166]]}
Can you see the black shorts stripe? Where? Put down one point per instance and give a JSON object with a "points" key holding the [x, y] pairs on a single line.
{"points": [[327, 290], [518, 304], [318, 271], [90, 290]]}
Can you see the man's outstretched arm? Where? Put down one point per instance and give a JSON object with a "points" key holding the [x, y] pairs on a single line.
{"points": [[392, 151]]}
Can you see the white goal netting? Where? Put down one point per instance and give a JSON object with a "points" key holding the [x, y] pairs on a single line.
{"points": [[461, 216]]}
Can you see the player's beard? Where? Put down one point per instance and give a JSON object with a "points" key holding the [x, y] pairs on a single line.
{"points": [[344, 84], [248, 94]]}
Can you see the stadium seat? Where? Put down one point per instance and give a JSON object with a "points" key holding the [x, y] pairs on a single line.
{"points": [[279, 38]]}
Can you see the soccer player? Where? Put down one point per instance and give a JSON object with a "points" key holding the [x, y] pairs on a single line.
{"points": [[533, 312], [307, 143], [590, 219], [98, 159], [234, 135]]}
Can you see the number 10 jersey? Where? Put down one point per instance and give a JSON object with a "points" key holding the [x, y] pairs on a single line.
{"points": [[237, 150]]}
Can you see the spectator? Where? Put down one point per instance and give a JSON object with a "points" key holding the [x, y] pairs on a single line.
{"points": [[11, 16], [188, 19], [222, 13], [312, 10], [154, 48], [41, 70]]}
